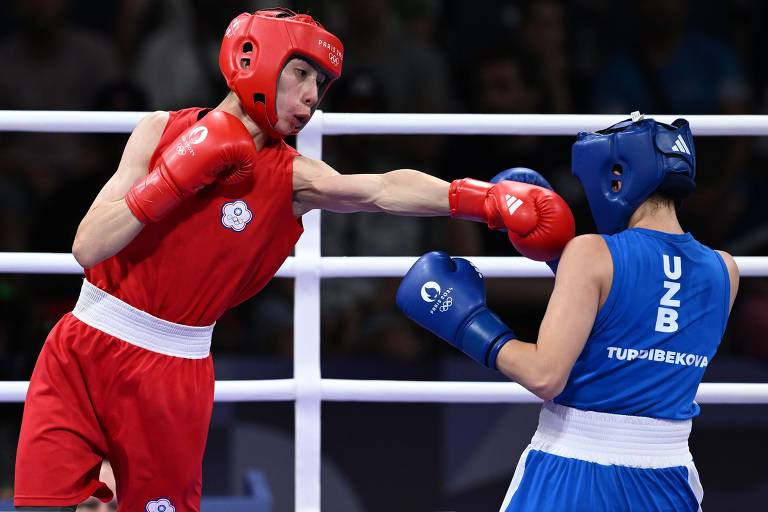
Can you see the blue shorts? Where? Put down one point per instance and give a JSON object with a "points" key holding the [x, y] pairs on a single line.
{"points": [[592, 462]]}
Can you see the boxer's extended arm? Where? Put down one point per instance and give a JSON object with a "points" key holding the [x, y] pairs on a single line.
{"points": [[581, 286], [401, 192], [109, 225]]}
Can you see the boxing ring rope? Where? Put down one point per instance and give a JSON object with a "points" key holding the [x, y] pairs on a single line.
{"points": [[408, 391], [342, 266], [307, 388], [331, 123]]}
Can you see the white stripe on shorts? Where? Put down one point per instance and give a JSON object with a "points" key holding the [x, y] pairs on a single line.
{"points": [[111, 315], [516, 479]]}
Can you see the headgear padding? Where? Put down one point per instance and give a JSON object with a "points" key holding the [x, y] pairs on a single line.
{"points": [[256, 48], [621, 166]]}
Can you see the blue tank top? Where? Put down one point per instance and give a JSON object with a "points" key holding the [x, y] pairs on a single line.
{"points": [[657, 331]]}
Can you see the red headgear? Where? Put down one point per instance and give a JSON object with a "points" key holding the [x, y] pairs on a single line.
{"points": [[257, 46]]}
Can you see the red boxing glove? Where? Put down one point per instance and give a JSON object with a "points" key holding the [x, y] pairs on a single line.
{"points": [[539, 222], [207, 150]]}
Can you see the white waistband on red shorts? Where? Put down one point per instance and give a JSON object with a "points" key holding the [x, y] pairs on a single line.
{"points": [[111, 315], [604, 438]]}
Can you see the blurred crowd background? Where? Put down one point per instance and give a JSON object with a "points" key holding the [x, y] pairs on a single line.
{"points": [[496, 56]]}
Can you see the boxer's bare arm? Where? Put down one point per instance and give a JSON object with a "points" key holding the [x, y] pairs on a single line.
{"points": [[582, 284], [109, 225], [400, 192], [733, 274]]}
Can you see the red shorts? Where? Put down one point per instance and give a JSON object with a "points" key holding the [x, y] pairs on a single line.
{"points": [[95, 396]]}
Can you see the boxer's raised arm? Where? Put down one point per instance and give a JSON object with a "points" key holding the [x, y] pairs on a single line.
{"points": [[109, 225]]}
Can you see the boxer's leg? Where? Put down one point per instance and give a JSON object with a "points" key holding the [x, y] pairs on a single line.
{"points": [[61, 443], [157, 450]]}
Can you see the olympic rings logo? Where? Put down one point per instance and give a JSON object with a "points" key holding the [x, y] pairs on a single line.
{"points": [[196, 136], [235, 219], [446, 305], [236, 215], [333, 58]]}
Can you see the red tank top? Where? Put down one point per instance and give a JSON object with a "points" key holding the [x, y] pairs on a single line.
{"points": [[217, 249]]}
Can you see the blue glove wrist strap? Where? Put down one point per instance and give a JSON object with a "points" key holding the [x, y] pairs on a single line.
{"points": [[482, 337], [496, 348]]}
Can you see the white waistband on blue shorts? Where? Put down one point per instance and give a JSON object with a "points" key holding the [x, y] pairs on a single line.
{"points": [[604, 438], [111, 315]]}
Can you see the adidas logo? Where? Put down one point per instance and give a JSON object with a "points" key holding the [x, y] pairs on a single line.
{"points": [[513, 203], [680, 146]]}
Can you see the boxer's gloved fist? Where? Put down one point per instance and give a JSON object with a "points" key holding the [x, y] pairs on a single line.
{"points": [[209, 149], [522, 175], [446, 296], [539, 223], [526, 175]]}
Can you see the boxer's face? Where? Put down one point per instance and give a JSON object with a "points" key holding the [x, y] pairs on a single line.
{"points": [[298, 92]]}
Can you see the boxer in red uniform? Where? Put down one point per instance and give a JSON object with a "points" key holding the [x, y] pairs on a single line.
{"points": [[203, 209]]}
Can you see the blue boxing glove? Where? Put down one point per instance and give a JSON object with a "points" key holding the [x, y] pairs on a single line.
{"points": [[522, 175], [526, 175], [446, 296]]}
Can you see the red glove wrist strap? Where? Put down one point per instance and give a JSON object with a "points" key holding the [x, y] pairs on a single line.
{"points": [[152, 198], [466, 199]]}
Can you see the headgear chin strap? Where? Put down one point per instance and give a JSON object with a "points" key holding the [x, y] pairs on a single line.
{"points": [[256, 48], [621, 166]]}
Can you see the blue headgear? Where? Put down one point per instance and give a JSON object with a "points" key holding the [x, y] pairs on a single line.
{"points": [[621, 166]]}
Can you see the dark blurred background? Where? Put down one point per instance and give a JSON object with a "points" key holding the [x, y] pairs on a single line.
{"points": [[496, 56]]}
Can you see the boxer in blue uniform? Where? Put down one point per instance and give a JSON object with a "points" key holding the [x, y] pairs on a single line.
{"points": [[635, 318]]}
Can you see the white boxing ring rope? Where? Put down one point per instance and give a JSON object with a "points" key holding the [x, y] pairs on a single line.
{"points": [[330, 123], [308, 267]]}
